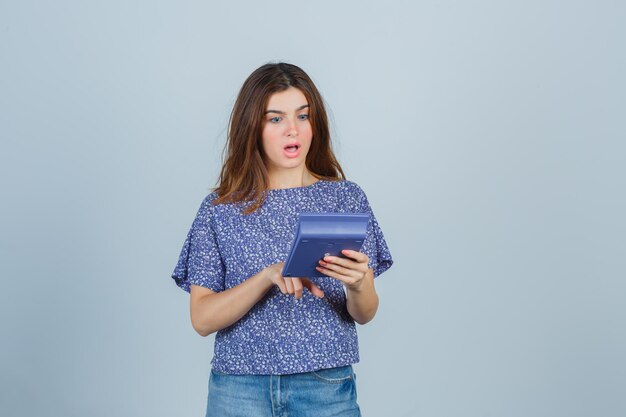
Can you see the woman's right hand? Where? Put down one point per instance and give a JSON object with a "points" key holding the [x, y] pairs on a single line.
{"points": [[290, 285]]}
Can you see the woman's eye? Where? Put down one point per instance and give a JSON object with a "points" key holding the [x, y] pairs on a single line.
{"points": [[275, 119], [304, 116]]}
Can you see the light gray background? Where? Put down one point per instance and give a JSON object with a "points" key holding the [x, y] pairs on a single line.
{"points": [[488, 136]]}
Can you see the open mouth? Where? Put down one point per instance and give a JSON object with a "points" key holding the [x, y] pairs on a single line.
{"points": [[292, 148]]}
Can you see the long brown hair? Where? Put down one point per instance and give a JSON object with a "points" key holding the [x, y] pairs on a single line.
{"points": [[244, 176]]}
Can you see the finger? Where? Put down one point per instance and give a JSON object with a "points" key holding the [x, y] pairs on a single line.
{"points": [[289, 285], [314, 289], [348, 272], [357, 256], [297, 287], [345, 262], [281, 285], [336, 275]]}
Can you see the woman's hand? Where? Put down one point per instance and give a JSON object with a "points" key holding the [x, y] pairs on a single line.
{"points": [[351, 271], [292, 285]]}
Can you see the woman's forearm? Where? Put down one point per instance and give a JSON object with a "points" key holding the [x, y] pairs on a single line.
{"points": [[362, 303], [219, 310]]}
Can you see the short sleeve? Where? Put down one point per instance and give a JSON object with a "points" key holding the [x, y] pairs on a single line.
{"points": [[200, 261], [375, 246]]}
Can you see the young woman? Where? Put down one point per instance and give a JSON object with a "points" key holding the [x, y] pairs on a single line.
{"points": [[283, 345]]}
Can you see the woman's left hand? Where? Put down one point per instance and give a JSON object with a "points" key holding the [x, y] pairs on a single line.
{"points": [[351, 271]]}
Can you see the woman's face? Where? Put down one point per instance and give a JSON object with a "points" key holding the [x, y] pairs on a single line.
{"points": [[287, 131]]}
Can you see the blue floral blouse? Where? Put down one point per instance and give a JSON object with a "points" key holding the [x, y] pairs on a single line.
{"points": [[278, 335]]}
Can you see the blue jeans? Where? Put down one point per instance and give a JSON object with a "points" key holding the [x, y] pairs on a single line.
{"points": [[326, 392]]}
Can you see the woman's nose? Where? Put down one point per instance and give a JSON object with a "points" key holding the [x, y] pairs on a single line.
{"points": [[291, 128]]}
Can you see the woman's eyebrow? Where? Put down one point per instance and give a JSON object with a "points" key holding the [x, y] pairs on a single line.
{"points": [[304, 106]]}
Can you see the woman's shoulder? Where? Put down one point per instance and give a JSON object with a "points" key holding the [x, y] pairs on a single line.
{"points": [[223, 209], [211, 197], [350, 195], [207, 201], [207, 207], [349, 188]]}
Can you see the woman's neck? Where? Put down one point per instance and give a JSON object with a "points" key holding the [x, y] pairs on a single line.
{"points": [[290, 179]]}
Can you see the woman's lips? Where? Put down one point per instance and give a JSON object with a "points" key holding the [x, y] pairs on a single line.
{"points": [[289, 153]]}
